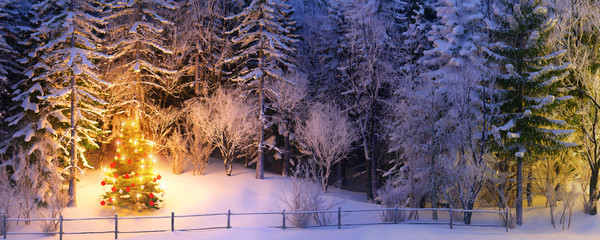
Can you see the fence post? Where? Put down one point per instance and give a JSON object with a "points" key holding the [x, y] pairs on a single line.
{"points": [[283, 213], [396, 214], [506, 219], [5, 226], [229, 218], [451, 218], [172, 221], [60, 232], [116, 226], [339, 217]]}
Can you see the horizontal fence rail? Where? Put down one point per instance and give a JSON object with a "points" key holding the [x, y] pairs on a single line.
{"points": [[338, 213]]}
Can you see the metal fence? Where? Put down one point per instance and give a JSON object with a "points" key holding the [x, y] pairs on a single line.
{"points": [[339, 212]]}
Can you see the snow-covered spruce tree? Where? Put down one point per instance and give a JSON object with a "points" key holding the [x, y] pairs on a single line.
{"points": [[526, 127], [316, 62], [6, 53], [577, 31], [61, 96], [12, 23], [317, 47], [263, 41], [202, 24], [407, 128], [459, 71], [365, 71], [137, 38]]}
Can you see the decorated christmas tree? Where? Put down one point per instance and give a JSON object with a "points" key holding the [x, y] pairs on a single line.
{"points": [[131, 181]]}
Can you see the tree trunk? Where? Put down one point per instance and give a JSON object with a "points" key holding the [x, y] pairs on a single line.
{"points": [[343, 173], [197, 71], [373, 139], [552, 206], [261, 109], [593, 192], [138, 75], [72, 172], [286, 156], [72, 188], [324, 178], [103, 143], [433, 190], [368, 161], [467, 215], [529, 188], [374, 179], [519, 200], [338, 172], [228, 166]]}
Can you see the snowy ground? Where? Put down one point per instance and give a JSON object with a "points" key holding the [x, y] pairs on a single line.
{"points": [[216, 193]]}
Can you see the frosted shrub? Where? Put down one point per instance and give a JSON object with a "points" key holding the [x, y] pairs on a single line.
{"points": [[390, 196], [7, 195], [178, 152], [198, 146], [552, 177], [512, 219], [306, 195], [301, 198], [568, 193], [199, 153], [56, 199], [26, 190]]}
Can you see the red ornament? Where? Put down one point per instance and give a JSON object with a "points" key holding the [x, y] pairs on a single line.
{"points": [[154, 180], [126, 176], [116, 175], [113, 165], [114, 189], [133, 185], [151, 195], [103, 183], [127, 189], [102, 203], [158, 177], [137, 174], [119, 155], [151, 203], [128, 161], [110, 200]]}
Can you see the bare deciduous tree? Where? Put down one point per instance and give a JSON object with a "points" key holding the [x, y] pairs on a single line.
{"points": [[227, 120], [551, 176], [166, 136], [198, 144], [577, 31], [326, 137], [287, 99]]}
